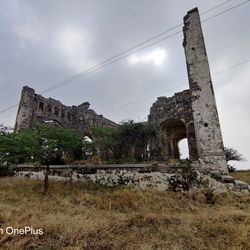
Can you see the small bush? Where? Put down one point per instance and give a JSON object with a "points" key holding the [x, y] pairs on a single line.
{"points": [[7, 170], [185, 178]]}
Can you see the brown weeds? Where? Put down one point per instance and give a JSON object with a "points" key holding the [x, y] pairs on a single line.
{"points": [[88, 216]]}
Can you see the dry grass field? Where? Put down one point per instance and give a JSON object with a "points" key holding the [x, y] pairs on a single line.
{"points": [[87, 216], [242, 175]]}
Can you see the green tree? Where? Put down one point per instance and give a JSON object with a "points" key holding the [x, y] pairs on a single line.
{"points": [[42, 144], [232, 155]]}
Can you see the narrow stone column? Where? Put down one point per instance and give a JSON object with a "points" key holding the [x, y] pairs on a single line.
{"points": [[206, 121], [26, 109]]}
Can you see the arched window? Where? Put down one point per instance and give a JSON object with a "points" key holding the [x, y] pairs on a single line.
{"points": [[49, 108], [56, 111], [41, 106], [63, 113]]}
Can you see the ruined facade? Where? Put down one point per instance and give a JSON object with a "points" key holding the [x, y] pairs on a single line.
{"points": [[174, 115], [34, 108], [190, 114]]}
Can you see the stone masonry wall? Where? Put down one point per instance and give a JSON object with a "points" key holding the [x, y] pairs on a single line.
{"points": [[177, 108], [35, 108]]}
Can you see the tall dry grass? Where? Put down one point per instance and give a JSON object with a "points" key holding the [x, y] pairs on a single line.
{"points": [[243, 175], [87, 216]]}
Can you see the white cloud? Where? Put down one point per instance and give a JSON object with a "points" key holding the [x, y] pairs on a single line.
{"points": [[74, 45], [157, 57], [30, 32]]}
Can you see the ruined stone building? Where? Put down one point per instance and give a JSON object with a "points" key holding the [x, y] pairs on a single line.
{"points": [[190, 114], [34, 108]]}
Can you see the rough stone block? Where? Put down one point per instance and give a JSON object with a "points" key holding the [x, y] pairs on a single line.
{"points": [[227, 179], [218, 186], [241, 184], [216, 175], [245, 191], [230, 186]]}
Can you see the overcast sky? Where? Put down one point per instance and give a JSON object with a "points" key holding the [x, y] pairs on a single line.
{"points": [[45, 42]]}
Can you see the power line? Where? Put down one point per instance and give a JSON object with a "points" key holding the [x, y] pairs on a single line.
{"points": [[92, 68], [74, 77], [9, 108], [115, 60], [148, 97], [233, 66], [124, 54], [215, 7], [225, 11]]}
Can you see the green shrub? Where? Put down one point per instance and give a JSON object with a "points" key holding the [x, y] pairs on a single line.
{"points": [[7, 170], [185, 178]]}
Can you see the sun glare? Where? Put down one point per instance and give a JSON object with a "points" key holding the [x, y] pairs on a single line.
{"points": [[70, 39], [157, 57]]}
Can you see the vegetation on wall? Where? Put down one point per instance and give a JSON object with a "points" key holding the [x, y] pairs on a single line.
{"points": [[130, 141]]}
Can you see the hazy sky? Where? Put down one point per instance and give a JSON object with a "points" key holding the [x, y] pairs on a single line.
{"points": [[45, 42]]}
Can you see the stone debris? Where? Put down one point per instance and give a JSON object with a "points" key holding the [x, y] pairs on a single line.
{"points": [[216, 175], [227, 179], [240, 184]]}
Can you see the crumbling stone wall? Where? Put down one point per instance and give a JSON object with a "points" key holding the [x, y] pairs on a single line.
{"points": [[35, 108], [174, 115], [192, 113]]}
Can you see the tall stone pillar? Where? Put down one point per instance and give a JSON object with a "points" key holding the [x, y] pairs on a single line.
{"points": [[206, 121], [26, 109]]}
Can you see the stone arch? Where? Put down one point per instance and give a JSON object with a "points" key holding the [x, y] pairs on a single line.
{"points": [[173, 130]]}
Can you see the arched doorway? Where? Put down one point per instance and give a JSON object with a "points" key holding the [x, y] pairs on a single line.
{"points": [[172, 132]]}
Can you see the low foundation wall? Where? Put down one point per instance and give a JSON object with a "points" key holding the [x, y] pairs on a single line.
{"points": [[144, 176]]}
